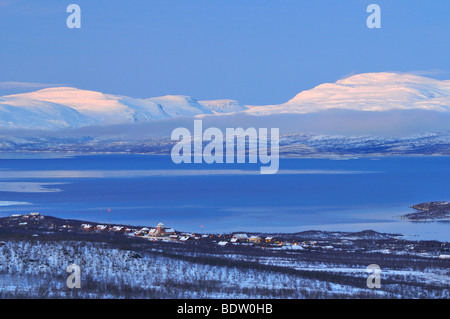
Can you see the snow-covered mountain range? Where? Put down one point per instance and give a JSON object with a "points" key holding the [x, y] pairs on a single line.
{"points": [[369, 92], [65, 107], [371, 113], [294, 144]]}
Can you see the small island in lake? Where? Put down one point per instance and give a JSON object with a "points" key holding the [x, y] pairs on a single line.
{"points": [[430, 211]]}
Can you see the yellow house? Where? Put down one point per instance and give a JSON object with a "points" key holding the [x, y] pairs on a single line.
{"points": [[255, 239]]}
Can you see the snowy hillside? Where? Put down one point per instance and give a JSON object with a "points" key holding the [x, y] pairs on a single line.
{"points": [[65, 107], [368, 92], [20, 113], [223, 106], [34, 259]]}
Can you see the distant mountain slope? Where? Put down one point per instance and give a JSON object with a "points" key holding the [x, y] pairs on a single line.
{"points": [[35, 114], [380, 93], [92, 108], [223, 106], [368, 92], [295, 145]]}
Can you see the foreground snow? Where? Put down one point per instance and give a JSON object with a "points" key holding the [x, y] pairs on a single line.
{"points": [[35, 269]]}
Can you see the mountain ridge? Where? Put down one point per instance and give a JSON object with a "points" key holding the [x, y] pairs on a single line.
{"points": [[66, 107], [381, 91]]}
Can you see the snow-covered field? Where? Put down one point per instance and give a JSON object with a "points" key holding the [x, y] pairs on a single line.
{"points": [[37, 269]]}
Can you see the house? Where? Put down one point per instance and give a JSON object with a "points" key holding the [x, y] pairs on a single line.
{"points": [[87, 226], [269, 239], [160, 229], [142, 231], [442, 256], [255, 239], [16, 215], [118, 228], [223, 243], [185, 238], [152, 232], [239, 238], [170, 231], [102, 227], [34, 214]]}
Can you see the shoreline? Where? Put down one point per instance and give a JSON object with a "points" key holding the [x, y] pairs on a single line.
{"points": [[310, 264], [281, 155], [20, 222], [390, 221]]}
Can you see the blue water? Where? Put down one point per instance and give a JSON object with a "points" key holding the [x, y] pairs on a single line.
{"points": [[321, 194]]}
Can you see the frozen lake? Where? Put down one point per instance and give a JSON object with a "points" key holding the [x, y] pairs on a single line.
{"points": [[319, 194]]}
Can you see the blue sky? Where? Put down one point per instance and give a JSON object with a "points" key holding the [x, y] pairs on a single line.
{"points": [[255, 51]]}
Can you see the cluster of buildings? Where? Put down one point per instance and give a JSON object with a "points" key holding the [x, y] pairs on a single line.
{"points": [[160, 232], [241, 238], [244, 238], [25, 218], [28, 216], [163, 233], [120, 229]]}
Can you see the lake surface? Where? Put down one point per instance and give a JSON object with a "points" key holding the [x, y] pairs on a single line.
{"points": [[319, 194]]}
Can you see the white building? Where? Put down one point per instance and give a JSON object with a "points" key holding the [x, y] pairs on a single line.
{"points": [[239, 238], [223, 243]]}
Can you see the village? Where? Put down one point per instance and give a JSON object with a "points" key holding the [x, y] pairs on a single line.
{"points": [[158, 233], [366, 241], [306, 264]]}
